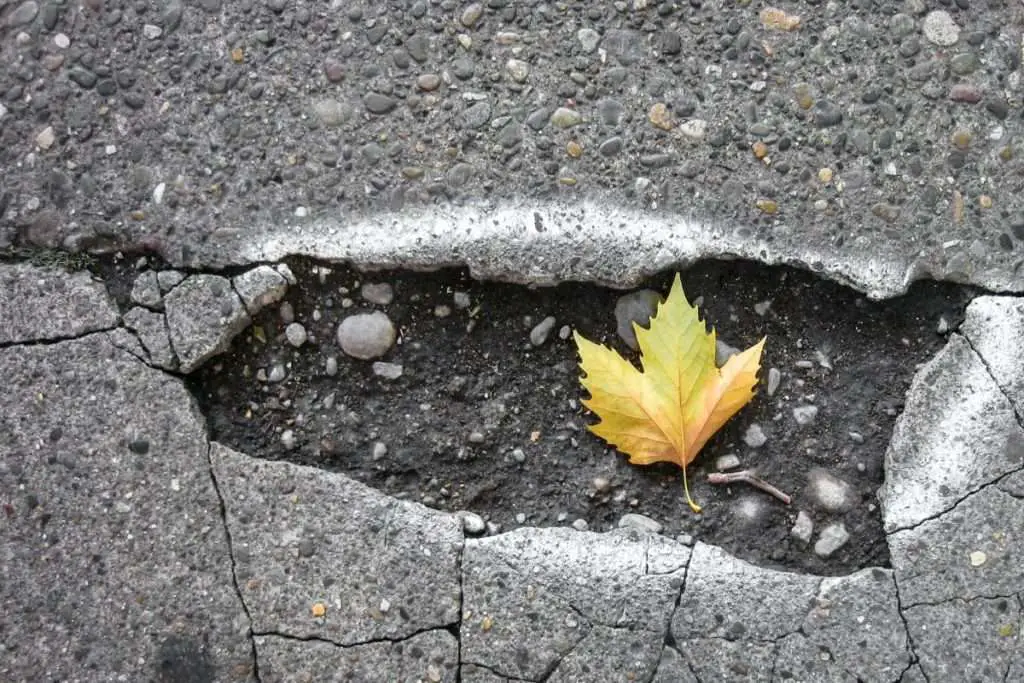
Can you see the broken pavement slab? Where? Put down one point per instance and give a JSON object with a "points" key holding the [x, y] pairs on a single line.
{"points": [[735, 617], [116, 561], [45, 304], [957, 433], [559, 604], [203, 315], [994, 325], [379, 568]]}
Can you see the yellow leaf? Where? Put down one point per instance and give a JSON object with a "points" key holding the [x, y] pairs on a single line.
{"points": [[669, 410]]}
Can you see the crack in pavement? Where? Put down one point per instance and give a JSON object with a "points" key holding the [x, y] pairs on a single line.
{"points": [[969, 600], [911, 646], [234, 564], [988, 369], [51, 341], [382, 640]]}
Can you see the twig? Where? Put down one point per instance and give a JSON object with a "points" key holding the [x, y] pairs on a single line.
{"points": [[747, 476]]}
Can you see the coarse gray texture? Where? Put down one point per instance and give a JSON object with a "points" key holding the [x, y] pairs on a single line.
{"points": [[428, 657], [203, 315], [39, 304], [259, 287], [957, 433], [381, 568], [994, 325], [548, 603], [625, 138], [796, 620], [967, 640], [974, 550], [151, 329], [115, 558]]}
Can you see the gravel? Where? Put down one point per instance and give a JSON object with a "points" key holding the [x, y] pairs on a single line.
{"points": [[366, 335]]}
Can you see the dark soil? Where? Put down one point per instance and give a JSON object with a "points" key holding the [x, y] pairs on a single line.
{"points": [[475, 371]]}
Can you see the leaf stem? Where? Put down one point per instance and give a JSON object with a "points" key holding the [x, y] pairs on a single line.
{"points": [[748, 477], [693, 506]]}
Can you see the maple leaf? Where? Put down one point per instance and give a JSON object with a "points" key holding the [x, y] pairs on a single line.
{"points": [[667, 412]]}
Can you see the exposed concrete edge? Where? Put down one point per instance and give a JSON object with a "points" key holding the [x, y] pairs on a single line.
{"points": [[543, 243]]}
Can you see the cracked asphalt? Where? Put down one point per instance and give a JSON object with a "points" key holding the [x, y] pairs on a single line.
{"points": [[136, 547], [873, 143]]}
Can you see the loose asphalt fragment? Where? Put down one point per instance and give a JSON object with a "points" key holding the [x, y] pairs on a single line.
{"points": [[237, 568]]}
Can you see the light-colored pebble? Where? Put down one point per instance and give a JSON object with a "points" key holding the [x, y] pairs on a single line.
{"points": [[542, 330], [832, 538], [580, 524], [940, 29], [277, 373], [288, 439], [803, 528], [805, 415], [727, 462], [755, 436], [461, 299], [287, 313], [295, 333], [774, 380], [380, 450], [472, 523], [387, 370], [331, 366], [520, 518], [380, 293], [830, 492], [633, 520], [366, 335]]}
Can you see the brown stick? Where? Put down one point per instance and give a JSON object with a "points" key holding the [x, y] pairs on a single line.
{"points": [[748, 477]]}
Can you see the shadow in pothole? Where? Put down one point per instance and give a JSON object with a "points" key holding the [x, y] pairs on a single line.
{"points": [[482, 420]]}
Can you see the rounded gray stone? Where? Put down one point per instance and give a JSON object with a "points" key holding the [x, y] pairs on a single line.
{"points": [[636, 307], [366, 336], [380, 293]]}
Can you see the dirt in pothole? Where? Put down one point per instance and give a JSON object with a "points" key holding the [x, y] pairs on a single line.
{"points": [[481, 420]]}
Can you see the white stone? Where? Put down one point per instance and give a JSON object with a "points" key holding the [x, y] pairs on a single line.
{"points": [[518, 70], [830, 492], [366, 335], [754, 436], [832, 538], [695, 129], [803, 528], [589, 39], [387, 370], [805, 415], [152, 31], [295, 333], [46, 138], [633, 520], [940, 28], [62, 41], [727, 462]]}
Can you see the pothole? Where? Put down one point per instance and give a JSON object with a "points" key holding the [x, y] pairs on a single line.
{"points": [[481, 419]]}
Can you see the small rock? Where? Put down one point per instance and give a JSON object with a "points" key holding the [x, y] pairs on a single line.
{"points": [[477, 437], [442, 311], [519, 455], [331, 366], [260, 287], [288, 439], [978, 558], [727, 462], [146, 291], [589, 38], [518, 70], [286, 313], [636, 307], [830, 492], [380, 451], [564, 332], [24, 13], [754, 436], [376, 103], [520, 518], [832, 538], [774, 379], [152, 31], [601, 484], [387, 370], [563, 117], [580, 524], [695, 129], [277, 373], [380, 293], [471, 14], [475, 116], [428, 82], [660, 117], [295, 334], [472, 523], [540, 333], [366, 335], [940, 28], [46, 138], [632, 520], [803, 529], [805, 415], [461, 299]]}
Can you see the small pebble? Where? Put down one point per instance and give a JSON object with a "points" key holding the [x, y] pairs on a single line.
{"points": [[288, 439], [387, 370], [366, 335], [755, 436], [476, 437], [727, 462], [832, 538], [830, 492], [277, 373], [540, 333], [331, 366], [461, 299], [380, 450], [519, 455], [632, 520], [295, 333], [472, 523], [638, 307], [978, 558], [580, 524], [774, 379], [803, 529], [380, 293], [805, 415], [520, 518], [442, 311], [564, 332], [287, 313], [601, 484], [940, 29]]}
